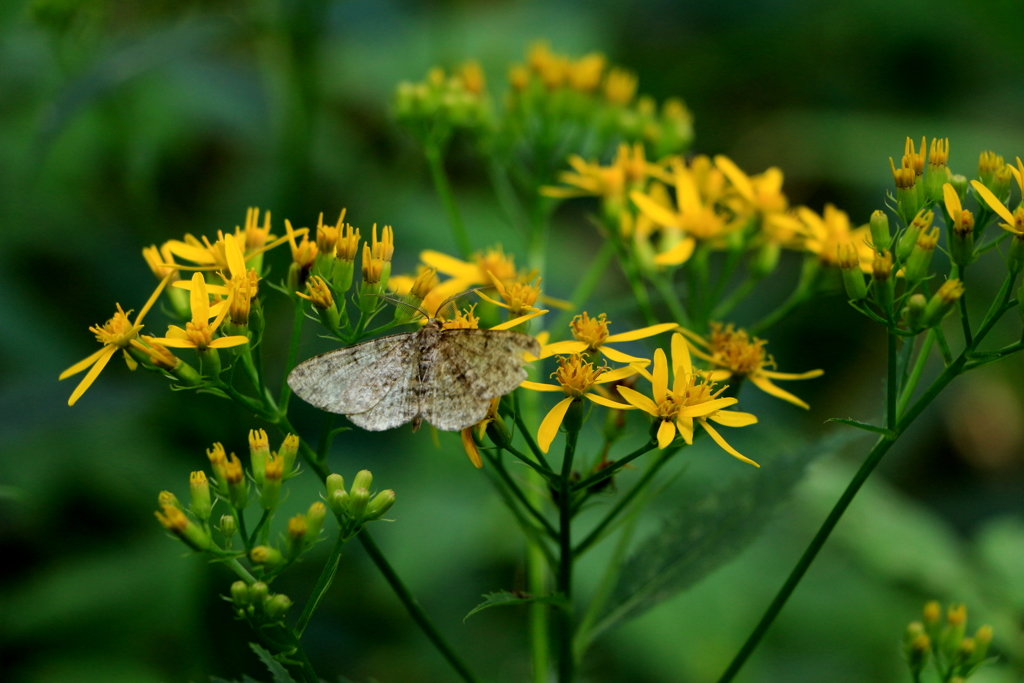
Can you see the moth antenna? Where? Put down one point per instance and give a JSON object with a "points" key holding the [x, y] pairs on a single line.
{"points": [[402, 304], [453, 299]]}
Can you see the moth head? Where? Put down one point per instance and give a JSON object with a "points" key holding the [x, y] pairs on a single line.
{"points": [[449, 307]]}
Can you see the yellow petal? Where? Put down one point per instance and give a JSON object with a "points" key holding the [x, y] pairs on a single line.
{"points": [[94, 372], [685, 427], [82, 364], [952, 200], [737, 177], [637, 399], [655, 211], [731, 418], [810, 374], [681, 364], [607, 402], [130, 362], [702, 409], [400, 284], [509, 324], [678, 254], [693, 336], [642, 371], [212, 289], [537, 386], [992, 201], [561, 192], [492, 301], [620, 357], [176, 332], [765, 385], [152, 298], [660, 383], [562, 347], [666, 434], [642, 333], [199, 300], [470, 445], [717, 375], [497, 283], [725, 446], [552, 421], [449, 265], [175, 343], [616, 374], [233, 252], [227, 342], [687, 192], [190, 253]]}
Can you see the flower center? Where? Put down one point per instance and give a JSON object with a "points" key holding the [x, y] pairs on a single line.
{"points": [[576, 375], [592, 331], [463, 320], [201, 335], [735, 349], [117, 331]]}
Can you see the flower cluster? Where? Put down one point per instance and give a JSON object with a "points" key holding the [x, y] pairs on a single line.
{"points": [[943, 643]]}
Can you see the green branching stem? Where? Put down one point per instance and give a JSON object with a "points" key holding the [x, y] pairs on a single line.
{"points": [[518, 494], [322, 584], [566, 656], [435, 160], [915, 375], [413, 607], [293, 354], [610, 471]]}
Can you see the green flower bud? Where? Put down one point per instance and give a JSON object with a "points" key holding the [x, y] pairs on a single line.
{"points": [[942, 302], [278, 606], [765, 260], [953, 634], [288, 452], [266, 555], [982, 640], [917, 651], [209, 362], [240, 594], [853, 277], [315, 521], [882, 288], [913, 312], [964, 652], [199, 488], [908, 240], [182, 371], [1015, 260], [258, 593], [881, 236], [959, 184], [363, 480], [297, 529], [335, 482], [166, 498], [238, 489], [380, 504], [908, 196], [916, 268], [358, 501], [259, 451], [228, 526], [338, 501], [273, 473]]}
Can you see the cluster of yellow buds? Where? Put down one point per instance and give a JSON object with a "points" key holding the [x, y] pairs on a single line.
{"points": [[257, 604], [356, 506], [432, 109], [945, 644]]}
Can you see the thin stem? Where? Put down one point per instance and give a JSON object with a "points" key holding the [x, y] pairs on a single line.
{"points": [[614, 467], [891, 388], [964, 319], [293, 354], [667, 291], [322, 584], [308, 672], [737, 295], [259, 527], [548, 474], [444, 190], [517, 492], [237, 568], [566, 657], [527, 436], [915, 374], [240, 520], [591, 278], [414, 608]]}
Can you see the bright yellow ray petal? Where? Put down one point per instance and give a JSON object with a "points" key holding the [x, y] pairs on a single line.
{"points": [[175, 343], [666, 434], [616, 374], [694, 337], [620, 357], [539, 386], [642, 333], [470, 445], [199, 300], [655, 211], [449, 265], [222, 313], [660, 382], [737, 177], [152, 298], [552, 421], [94, 372], [233, 252], [190, 253], [765, 385], [685, 427], [717, 375], [217, 308], [678, 254], [176, 332], [212, 289], [992, 201], [607, 402], [810, 374], [509, 324], [492, 301], [561, 348], [82, 364], [562, 192], [560, 304], [635, 398], [725, 446], [952, 200], [229, 341], [642, 371], [681, 364], [687, 192], [730, 418], [702, 409]]}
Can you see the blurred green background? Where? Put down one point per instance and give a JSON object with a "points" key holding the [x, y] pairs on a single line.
{"points": [[125, 123]]}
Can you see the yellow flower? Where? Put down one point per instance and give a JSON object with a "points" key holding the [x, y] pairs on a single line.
{"points": [[519, 297], [1014, 221], [827, 232], [733, 353], [465, 320], [161, 261], [693, 216], [629, 169], [690, 398], [115, 334], [240, 288], [304, 252], [576, 378], [211, 255], [469, 443], [963, 221], [198, 333], [762, 195], [585, 73], [590, 335], [620, 86]]}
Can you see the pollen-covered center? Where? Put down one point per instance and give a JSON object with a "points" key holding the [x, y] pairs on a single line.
{"points": [[201, 335], [463, 320], [495, 260], [736, 350], [576, 375], [592, 331], [118, 331]]}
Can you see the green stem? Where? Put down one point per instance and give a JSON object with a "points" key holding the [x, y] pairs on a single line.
{"points": [[527, 436], [322, 584], [414, 608], [808, 275], [435, 159], [293, 354], [735, 297], [892, 387], [614, 467], [964, 319], [595, 273], [242, 572], [915, 374], [240, 520], [517, 492], [566, 657], [259, 527], [663, 284], [308, 672]]}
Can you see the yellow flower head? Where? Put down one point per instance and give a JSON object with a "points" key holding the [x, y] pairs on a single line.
{"points": [[348, 243], [469, 442], [912, 158], [199, 332], [319, 293], [690, 397], [620, 86], [519, 77], [576, 375], [373, 268], [426, 280], [988, 164], [327, 236], [304, 252], [172, 519], [385, 248], [159, 355], [160, 261], [463, 320], [827, 232], [881, 266], [1013, 222], [585, 73], [518, 297], [963, 220], [590, 335], [904, 176], [630, 168], [472, 77], [938, 154], [951, 291], [255, 237]]}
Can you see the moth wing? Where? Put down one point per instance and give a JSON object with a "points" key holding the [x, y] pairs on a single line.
{"points": [[472, 367], [354, 379], [399, 404]]}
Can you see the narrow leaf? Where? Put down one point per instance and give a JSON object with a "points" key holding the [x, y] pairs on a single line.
{"points": [[505, 598], [863, 425], [275, 667]]}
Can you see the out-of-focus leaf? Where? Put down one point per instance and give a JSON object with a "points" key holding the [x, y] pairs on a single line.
{"points": [[275, 667], [505, 598], [1000, 545], [245, 679], [706, 532]]}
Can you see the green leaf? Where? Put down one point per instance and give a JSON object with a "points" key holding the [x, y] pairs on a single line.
{"points": [[888, 433], [505, 598], [275, 667], [706, 532]]}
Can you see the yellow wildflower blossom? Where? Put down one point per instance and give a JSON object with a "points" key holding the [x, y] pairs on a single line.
{"points": [[963, 220], [629, 169], [830, 230], [465, 319], [199, 332], [733, 353], [1014, 221], [115, 334], [304, 252], [161, 261], [576, 379], [585, 73], [762, 195], [209, 255], [620, 86], [590, 335], [691, 397], [519, 297], [240, 286]]}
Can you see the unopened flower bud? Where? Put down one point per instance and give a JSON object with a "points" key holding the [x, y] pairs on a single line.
{"points": [[228, 526], [942, 302], [964, 652], [278, 606], [315, 521], [953, 634], [907, 199], [272, 475], [881, 236], [363, 480], [913, 312], [765, 260], [199, 488], [917, 651], [1015, 258], [932, 613], [238, 489], [334, 483], [259, 450], [853, 278], [908, 240], [881, 269], [167, 498], [288, 452], [982, 641], [380, 504], [358, 501], [338, 502], [959, 184], [266, 555], [240, 594], [218, 461], [175, 521], [258, 593], [920, 258], [297, 529]]}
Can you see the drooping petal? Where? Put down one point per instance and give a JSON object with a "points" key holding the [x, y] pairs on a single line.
{"points": [[607, 402], [655, 211], [992, 201], [449, 265], [660, 382], [82, 364], [731, 418], [641, 333], [222, 313], [175, 343], [725, 446], [552, 421], [199, 300], [620, 357], [190, 253], [685, 427], [470, 445], [678, 254], [666, 434], [233, 252], [94, 372], [509, 324], [492, 301], [637, 399], [562, 348], [616, 374], [810, 374], [737, 177], [132, 364], [765, 385], [176, 332], [706, 408], [717, 375], [537, 386], [229, 341], [952, 200]]}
